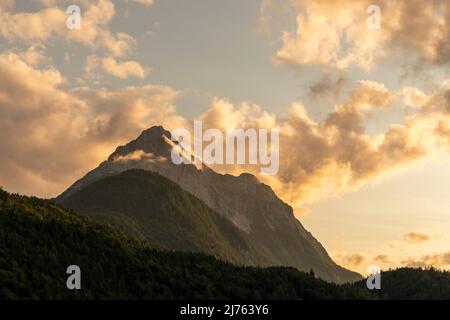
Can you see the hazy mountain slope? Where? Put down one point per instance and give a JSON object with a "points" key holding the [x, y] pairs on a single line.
{"points": [[146, 205], [39, 240], [250, 205]]}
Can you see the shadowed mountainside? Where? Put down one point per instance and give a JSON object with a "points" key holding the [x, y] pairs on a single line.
{"points": [[148, 206]]}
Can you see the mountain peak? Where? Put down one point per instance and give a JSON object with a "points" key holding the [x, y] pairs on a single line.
{"points": [[250, 178], [154, 132], [150, 141]]}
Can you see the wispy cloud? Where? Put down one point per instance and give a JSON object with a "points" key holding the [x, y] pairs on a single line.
{"points": [[437, 260], [382, 258], [415, 237], [352, 261], [119, 69]]}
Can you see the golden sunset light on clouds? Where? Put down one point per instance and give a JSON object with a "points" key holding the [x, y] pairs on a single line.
{"points": [[364, 113]]}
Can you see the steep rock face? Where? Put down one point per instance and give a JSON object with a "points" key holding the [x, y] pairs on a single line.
{"points": [[253, 207]]}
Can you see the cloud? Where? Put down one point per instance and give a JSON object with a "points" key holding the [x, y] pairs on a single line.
{"points": [[34, 55], [264, 17], [335, 33], [7, 4], [317, 158], [382, 258], [91, 65], [52, 135], [138, 156], [322, 159], [413, 97], [415, 237], [352, 261], [366, 96], [123, 70], [437, 260], [50, 22], [327, 86], [359, 261], [145, 2], [332, 34]]}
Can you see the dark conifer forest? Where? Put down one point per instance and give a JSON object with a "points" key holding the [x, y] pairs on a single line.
{"points": [[39, 239]]}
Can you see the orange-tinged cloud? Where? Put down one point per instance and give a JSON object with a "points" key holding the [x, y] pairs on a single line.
{"points": [[415, 237], [319, 159], [145, 2], [124, 69], [382, 258], [352, 261], [437, 260], [119, 69], [335, 33], [51, 136], [316, 158], [50, 22]]}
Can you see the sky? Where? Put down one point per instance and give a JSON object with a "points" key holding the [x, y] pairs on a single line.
{"points": [[363, 107]]}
